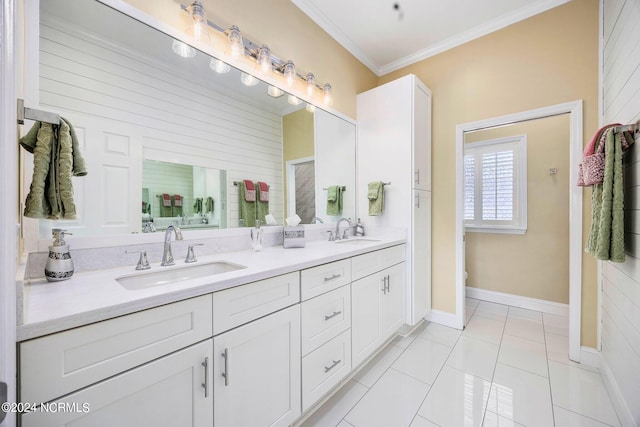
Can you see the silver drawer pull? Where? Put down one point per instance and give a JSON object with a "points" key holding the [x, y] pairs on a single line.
{"points": [[331, 316], [333, 365], [225, 373], [335, 276], [205, 384]]}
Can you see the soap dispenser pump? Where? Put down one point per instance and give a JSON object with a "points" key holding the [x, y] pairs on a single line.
{"points": [[359, 228], [59, 264]]}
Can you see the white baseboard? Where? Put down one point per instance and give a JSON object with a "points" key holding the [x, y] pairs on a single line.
{"points": [[519, 301], [444, 318], [590, 357], [617, 398]]}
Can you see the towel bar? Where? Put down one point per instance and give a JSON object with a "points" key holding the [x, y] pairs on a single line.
{"points": [[37, 115], [343, 188]]}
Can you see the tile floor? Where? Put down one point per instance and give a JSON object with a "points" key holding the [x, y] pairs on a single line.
{"points": [[508, 368]]}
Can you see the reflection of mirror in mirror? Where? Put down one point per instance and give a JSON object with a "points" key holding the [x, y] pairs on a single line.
{"points": [[183, 195], [131, 98]]}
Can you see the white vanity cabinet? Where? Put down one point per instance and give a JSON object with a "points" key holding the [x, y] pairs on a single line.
{"points": [[394, 138], [377, 301]]}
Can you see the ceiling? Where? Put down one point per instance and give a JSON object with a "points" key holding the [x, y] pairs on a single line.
{"points": [[387, 35]]}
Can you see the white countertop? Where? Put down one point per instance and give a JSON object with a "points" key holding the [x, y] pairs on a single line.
{"points": [[88, 297]]}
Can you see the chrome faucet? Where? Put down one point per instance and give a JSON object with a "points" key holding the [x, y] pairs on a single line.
{"points": [[167, 256], [344, 234], [316, 220]]}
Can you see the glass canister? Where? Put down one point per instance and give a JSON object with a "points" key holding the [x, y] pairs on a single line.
{"points": [[256, 237]]}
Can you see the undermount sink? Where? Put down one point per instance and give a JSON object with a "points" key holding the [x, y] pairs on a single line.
{"points": [[357, 240], [172, 275]]}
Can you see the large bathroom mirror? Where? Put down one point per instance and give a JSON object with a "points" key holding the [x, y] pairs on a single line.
{"points": [[133, 100]]}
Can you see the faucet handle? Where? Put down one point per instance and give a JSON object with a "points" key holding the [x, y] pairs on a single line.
{"points": [[143, 261], [332, 237], [191, 256]]}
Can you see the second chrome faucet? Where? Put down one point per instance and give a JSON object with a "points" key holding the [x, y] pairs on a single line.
{"points": [[167, 256]]}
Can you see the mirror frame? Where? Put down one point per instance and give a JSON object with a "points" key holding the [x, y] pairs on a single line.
{"points": [[29, 227]]}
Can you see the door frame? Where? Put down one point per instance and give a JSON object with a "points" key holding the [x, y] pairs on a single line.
{"points": [[574, 109], [9, 192], [291, 181]]}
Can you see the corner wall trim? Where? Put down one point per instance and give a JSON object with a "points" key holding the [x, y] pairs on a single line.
{"points": [[617, 398], [444, 318], [549, 307], [590, 357]]}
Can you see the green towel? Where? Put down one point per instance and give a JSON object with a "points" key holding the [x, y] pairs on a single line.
{"points": [[39, 141], [375, 194], [606, 238], [334, 200], [209, 204], [247, 209]]}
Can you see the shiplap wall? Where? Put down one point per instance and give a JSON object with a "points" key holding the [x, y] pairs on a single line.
{"points": [[162, 114], [621, 282]]}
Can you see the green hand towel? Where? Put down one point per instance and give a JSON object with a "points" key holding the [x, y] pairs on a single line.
{"points": [[79, 165], [606, 238], [247, 209], [37, 203], [209, 207], [65, 171], [375, 194], [334, 200]]}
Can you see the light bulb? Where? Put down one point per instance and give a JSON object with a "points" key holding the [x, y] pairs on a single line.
{"points": [[310, 108], [264, 59], [328, 99], [248, 80], [311, 83], [182, 49], [218, 66], [235, 42], [290, 72], [294, 100], [198, 28], [274, 91]]}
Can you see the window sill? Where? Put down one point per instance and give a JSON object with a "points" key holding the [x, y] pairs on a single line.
{"points": [[492, 230]]}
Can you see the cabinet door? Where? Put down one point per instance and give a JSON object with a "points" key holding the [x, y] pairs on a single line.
{"points": [[392, 301], [257, 372], [419, 291], [166, 392], [421, 138], [365, 312]]}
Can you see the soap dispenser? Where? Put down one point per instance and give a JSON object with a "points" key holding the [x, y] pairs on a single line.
{"points": [[59, 264], [359, 228], [256, 237]]}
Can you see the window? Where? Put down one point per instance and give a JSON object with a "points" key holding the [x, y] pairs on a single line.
{"points": [[495, 185]]}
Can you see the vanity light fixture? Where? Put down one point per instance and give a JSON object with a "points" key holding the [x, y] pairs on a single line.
{"points": [[218, 66], [310, 108], [275, 92], [264, 59], [235, 42], [289, 72], [240, 46], [248, 79]]}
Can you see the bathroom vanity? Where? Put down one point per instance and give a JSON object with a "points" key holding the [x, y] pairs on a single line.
{"points": [[258, 345]]}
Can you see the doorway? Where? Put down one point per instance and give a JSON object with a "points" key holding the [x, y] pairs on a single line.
{"points": [[574, 110]]}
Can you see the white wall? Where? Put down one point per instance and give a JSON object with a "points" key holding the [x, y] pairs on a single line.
{"points": [[620, 298], [146, 107]]}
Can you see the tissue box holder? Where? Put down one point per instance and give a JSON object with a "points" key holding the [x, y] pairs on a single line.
{"points": [[293, 236]]}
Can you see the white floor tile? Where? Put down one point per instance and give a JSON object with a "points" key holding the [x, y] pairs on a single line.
{"points": [[370, 373], [403, 342], [521, 313], [491, 310], [566, 418], [392, 401], [474, 357], [418, 421], [525, 328], [527, 355], [521, 396], [581, 391], [494, 420], [337, 407], [555, 324], [456, 399], [472, 302], [485, 329], [423, 360], [441, 334], [343, 423]]}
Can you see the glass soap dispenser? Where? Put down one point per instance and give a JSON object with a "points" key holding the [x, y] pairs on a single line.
{"points": [[256, 237], [59, 264]]}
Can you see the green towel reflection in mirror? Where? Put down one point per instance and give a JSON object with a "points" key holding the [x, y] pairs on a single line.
{"points": [[375, 194], [334, 200]]}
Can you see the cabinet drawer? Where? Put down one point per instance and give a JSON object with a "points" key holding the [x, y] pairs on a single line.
{"points": [[323, 278], [366, 264], [324, 368], [57, 364], [324, 317], [237, 306]]}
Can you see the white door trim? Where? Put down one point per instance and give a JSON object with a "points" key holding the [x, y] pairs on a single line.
{"points": [[291, 181], [9, 192], [574, 109]]}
